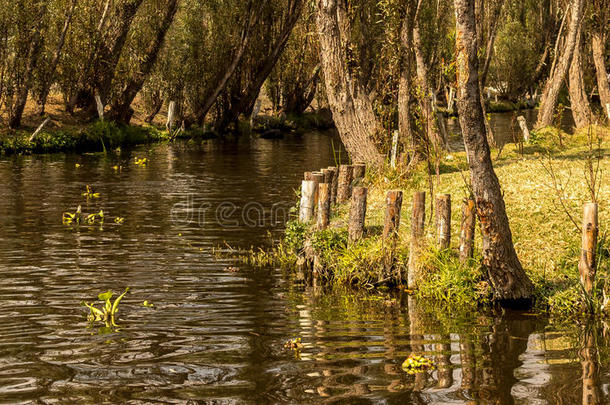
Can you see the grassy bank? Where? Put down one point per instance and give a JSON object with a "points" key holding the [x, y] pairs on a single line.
{"points": [[539, 209], [99, 135]]}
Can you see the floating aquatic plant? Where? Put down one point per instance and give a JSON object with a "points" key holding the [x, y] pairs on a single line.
{"points": [[89, 193], [141, 162], [79, 217], [148, 304], [108, 311], [416, 364], [294, 344], [119, 220]]}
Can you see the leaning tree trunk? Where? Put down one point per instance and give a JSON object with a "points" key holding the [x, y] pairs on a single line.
{"points": [[581, 110], [22, 88], [120, 110], [47, 80], [252, 18], [558, 74], [425, 95], [598, 43], [507, 278], [350, 105], [414, 142], [246, 101]]}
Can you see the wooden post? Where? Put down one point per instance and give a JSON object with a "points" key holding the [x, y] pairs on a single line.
{"points": [[308, 189], [443, 221], [587, 263], [171, 116], [467, 230], [318, 178], [608, 110], [394, 150], [307, 176], [359, 171], [524, 130], [418, 219], [323, 205], [329, 177], [393, 206], [344, 190], [357, 214], [335, 184]]}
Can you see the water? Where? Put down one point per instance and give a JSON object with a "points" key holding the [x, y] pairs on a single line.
{"points": [[216, 335]]}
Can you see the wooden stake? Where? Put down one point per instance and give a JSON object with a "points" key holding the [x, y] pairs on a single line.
{"points": [[523, 125], [608, 110], [308, 189], [418, 219], [323, 205], [318, 178], [335, 184], [357, 214], [359, 170], [443, 221], [467, 230], [587, 263], [344, 190], [307, 176], [393, 203]]}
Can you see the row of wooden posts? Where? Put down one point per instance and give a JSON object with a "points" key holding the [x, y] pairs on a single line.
{"points": [[323, 189]]}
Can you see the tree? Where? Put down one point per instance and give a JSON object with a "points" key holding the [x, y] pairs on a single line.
{"points": [[120, 109], [581, 110], [599, 36], [350, 104], [560, 67], [504, 271]]}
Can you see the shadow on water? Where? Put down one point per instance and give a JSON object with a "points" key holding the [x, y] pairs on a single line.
{"points": [[217, 336]]}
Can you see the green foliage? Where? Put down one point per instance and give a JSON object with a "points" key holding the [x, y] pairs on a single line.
{"points": [[452, 282], [294, 237], [108, 311]]}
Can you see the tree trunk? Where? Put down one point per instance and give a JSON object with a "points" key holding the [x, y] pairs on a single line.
{"points": [[510, 284], [350, 105], [598, 44], [412, 140], [22, 88], [425, 95], [253, 15], [581, 110], [491, 38], [247, 99], [558, 73], [120, 109], [50, 75]]}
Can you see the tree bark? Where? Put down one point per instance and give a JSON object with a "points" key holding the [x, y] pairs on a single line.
{"points": [[558, 73], [510, 284], [598, 44], [120, 109], [581, 110], [350, 105]]}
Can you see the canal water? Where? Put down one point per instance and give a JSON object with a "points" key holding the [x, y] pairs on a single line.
{"points": [[216, 333]]}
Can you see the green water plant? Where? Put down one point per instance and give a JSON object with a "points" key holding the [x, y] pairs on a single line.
{"points": [[89, 193], [107, 312], [417, 364]]}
